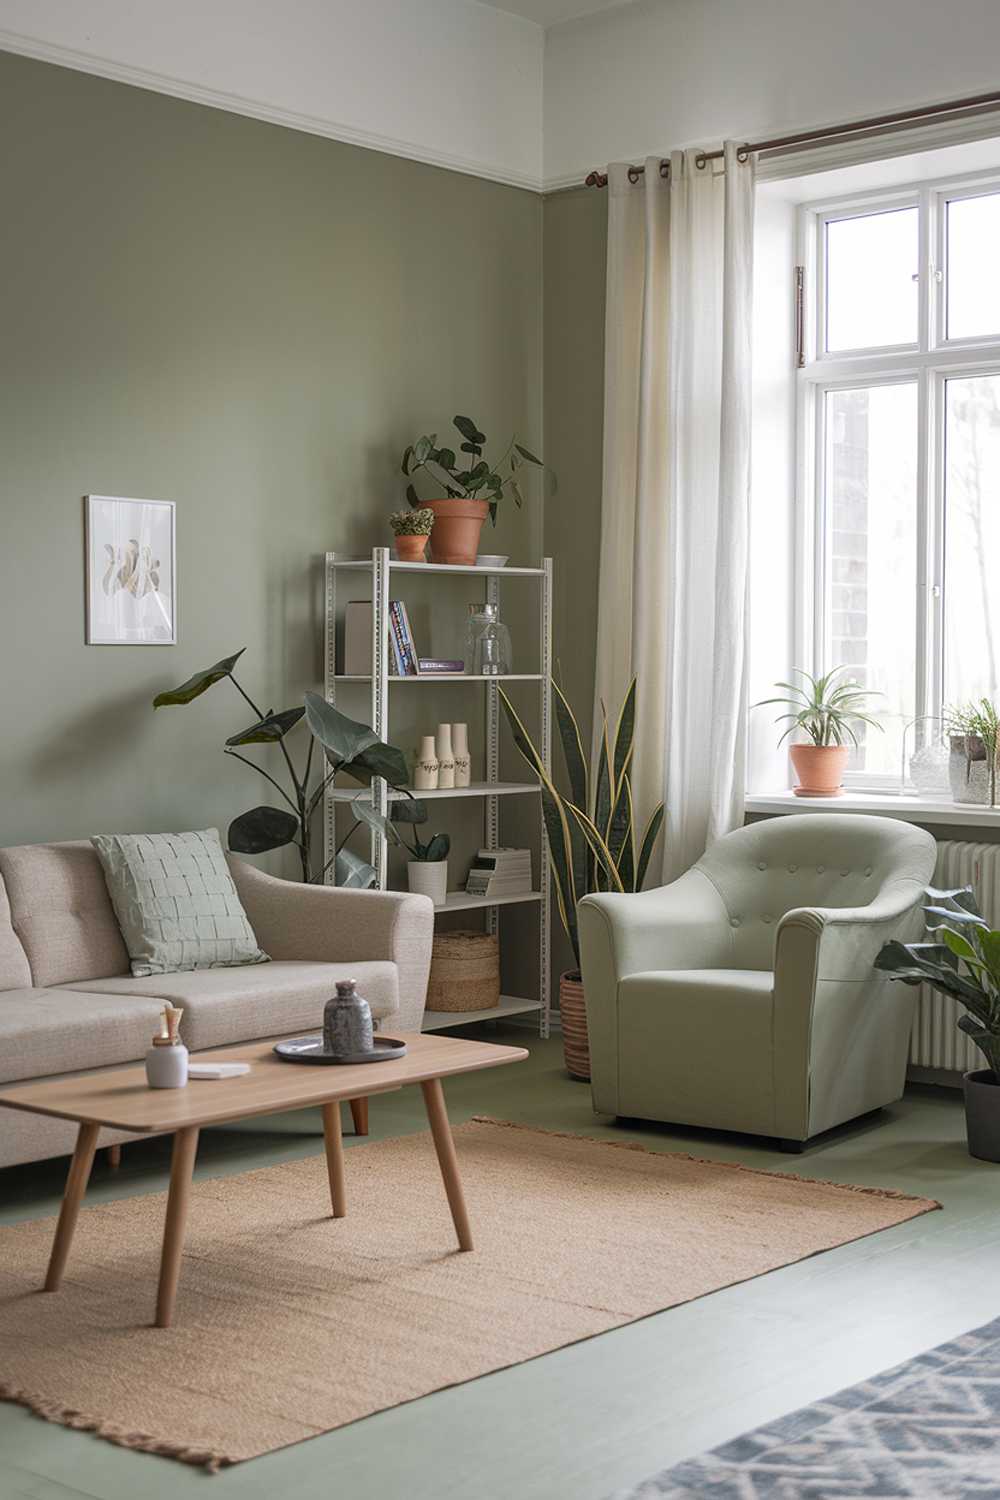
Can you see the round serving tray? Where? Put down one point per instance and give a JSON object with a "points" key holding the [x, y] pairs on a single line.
{"points": [[309, 1049]]}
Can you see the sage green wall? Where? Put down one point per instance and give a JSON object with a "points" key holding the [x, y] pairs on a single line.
{"points": [[575, 232], [249, 321]]}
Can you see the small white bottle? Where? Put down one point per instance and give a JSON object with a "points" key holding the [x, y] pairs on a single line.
{"points": [[167, 1058], [460, 750], [425, 770], [446, 757]]}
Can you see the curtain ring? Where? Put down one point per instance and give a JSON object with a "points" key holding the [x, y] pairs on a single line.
{"points": [[744, 154], [665, 168], [701, 161], [634, 173]]}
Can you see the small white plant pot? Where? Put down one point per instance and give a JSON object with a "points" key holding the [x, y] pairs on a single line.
{"points": [[429, 878]]}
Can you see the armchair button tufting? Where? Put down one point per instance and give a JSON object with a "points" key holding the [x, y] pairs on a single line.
{"points": [[821, 869], [766, 918], [734, 921], [792, 869], [761, 865], [845, 872], [868, 870]]}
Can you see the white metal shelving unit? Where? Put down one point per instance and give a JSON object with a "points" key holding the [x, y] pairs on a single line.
{"points": [[381, 566]]}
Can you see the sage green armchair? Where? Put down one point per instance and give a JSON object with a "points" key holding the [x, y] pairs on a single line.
{"points": [[743, 996]]}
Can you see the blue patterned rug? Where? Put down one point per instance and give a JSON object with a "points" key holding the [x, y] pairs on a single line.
{"points": [[929, 1428]]}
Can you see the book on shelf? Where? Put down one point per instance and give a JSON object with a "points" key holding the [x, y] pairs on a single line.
{"points": [[440, 664], [403, 658], [500, 872]]}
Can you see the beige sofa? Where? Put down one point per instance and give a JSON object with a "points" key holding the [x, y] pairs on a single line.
{"points": [[69, 1002]]}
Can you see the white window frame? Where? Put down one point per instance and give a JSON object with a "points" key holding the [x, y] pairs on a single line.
{"points": [[929, 362]]}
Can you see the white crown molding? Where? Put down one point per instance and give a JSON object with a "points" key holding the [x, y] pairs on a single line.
{"points": [[257, 109]]}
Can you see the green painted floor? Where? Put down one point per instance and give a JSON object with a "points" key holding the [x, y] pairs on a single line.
{"points": [[584, 1421]]}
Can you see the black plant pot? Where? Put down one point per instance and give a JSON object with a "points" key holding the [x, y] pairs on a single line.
{"points": [[982, 1114]]}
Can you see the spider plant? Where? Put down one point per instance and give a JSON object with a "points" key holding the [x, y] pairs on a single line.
{"points": [[823, 708], [591, 832], [976, 726]]}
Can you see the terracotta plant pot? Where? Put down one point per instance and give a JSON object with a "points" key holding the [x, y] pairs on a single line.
{"points": [[457, 524], [820, 769], [411, 548], [573, 1018]]}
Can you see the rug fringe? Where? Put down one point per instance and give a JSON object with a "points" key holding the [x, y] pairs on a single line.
{"points": [[707, 1161], [67, 1416]]}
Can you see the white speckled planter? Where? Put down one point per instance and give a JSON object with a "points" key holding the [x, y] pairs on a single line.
{"points": [[429, 878]]}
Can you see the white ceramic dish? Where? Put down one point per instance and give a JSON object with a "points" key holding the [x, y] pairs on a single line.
{"points": [[491, 560]]}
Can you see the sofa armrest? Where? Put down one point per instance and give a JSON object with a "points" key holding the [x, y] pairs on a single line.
{"points": [[848, 938], [327, 924]]}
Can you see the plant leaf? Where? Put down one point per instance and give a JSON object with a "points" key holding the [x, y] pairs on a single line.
{"points": [[597, 843], [572, 747], [529, 456], [437, 848], [409, 810], [379, 759], [646, 847], [469, 430], [412, 497], [603, 793], [351, 872], [269, 729], [624, 731], [342, 739], [199, 683], [262, 828]]}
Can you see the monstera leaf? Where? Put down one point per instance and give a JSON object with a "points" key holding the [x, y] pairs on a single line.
{"points": [[199, 683], [262, 828]]}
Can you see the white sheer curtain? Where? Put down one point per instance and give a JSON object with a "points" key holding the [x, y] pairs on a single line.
{"points": [[674, 530]]}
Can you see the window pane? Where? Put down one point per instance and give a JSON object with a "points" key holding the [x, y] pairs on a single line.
{"points": [[972, 538], [871, 507], [973, 266], [871, 297]]}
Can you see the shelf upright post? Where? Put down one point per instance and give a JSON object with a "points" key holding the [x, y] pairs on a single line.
{"points": [[330, 694], [380, 701], [492, 809], [545, 687]]}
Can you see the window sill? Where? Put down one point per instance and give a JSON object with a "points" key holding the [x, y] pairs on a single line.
{"points": [[911, 809]]}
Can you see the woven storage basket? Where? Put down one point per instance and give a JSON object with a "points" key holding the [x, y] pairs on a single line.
{"points": [[465, 972]]}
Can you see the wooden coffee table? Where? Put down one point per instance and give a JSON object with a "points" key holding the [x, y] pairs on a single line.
{"points": [[121, 1098]]}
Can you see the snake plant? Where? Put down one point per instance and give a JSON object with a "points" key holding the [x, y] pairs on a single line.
{"points": [[591, 831], [964, 964]]}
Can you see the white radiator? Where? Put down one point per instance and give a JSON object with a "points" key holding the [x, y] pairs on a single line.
{"points": [[936, 1041]]}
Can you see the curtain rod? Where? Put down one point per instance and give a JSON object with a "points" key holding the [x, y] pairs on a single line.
{"points": [[828, 135]]}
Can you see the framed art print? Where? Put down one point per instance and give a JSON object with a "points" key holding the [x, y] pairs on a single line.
{"points": [[131, 572]]}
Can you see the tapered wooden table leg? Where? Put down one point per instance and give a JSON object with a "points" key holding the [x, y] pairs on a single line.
{"points": [[359, 1114], [76, 1186], [334, 1139], [444, 1145], [181, 1169]]}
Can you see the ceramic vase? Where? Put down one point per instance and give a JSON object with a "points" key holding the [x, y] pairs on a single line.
{"points": [[460, 750], [446, 757], [428, 877], [347, 1022], [167, 1065], [425, 770]]}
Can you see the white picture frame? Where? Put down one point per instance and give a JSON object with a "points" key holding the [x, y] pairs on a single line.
{"points": [[131, 568]]}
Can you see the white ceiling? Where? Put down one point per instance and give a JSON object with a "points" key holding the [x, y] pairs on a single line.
{"points": [[551, 12]]}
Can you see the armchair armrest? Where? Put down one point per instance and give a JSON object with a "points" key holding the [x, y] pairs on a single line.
{"points": [[846, 939], [330, 925]]}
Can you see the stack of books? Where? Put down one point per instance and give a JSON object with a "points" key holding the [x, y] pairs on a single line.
{"points": [[358, 640], [500, 872]]}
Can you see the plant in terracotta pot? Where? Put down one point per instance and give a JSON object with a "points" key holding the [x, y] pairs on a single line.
{"points": [[973, 731], [411, 528], [965, 964], [826, 711], [592, 840], [427, 870], [473, 487]]}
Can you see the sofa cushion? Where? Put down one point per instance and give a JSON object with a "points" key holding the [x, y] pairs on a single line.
{"points": [[238, 1005], [15, 971], [62, 913], [175, 901], [53, 1031]]}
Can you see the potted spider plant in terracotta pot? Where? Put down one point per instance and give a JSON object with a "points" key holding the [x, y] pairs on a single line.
{"points": [[592, 840], [826, 712], [473, 488], [964, 964], [411, 528]]}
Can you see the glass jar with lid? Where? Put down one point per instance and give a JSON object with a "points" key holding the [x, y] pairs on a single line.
{"points": [[487, 642]]}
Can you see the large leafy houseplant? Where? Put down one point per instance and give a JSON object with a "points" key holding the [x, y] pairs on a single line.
{"points": [[965, 964], [591, 836], [345, 745]]}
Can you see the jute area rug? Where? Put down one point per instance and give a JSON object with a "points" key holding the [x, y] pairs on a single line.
{"points": [[290, 1323]]}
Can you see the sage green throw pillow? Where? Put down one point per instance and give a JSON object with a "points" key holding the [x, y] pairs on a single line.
{"points": [[176, 902]]}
